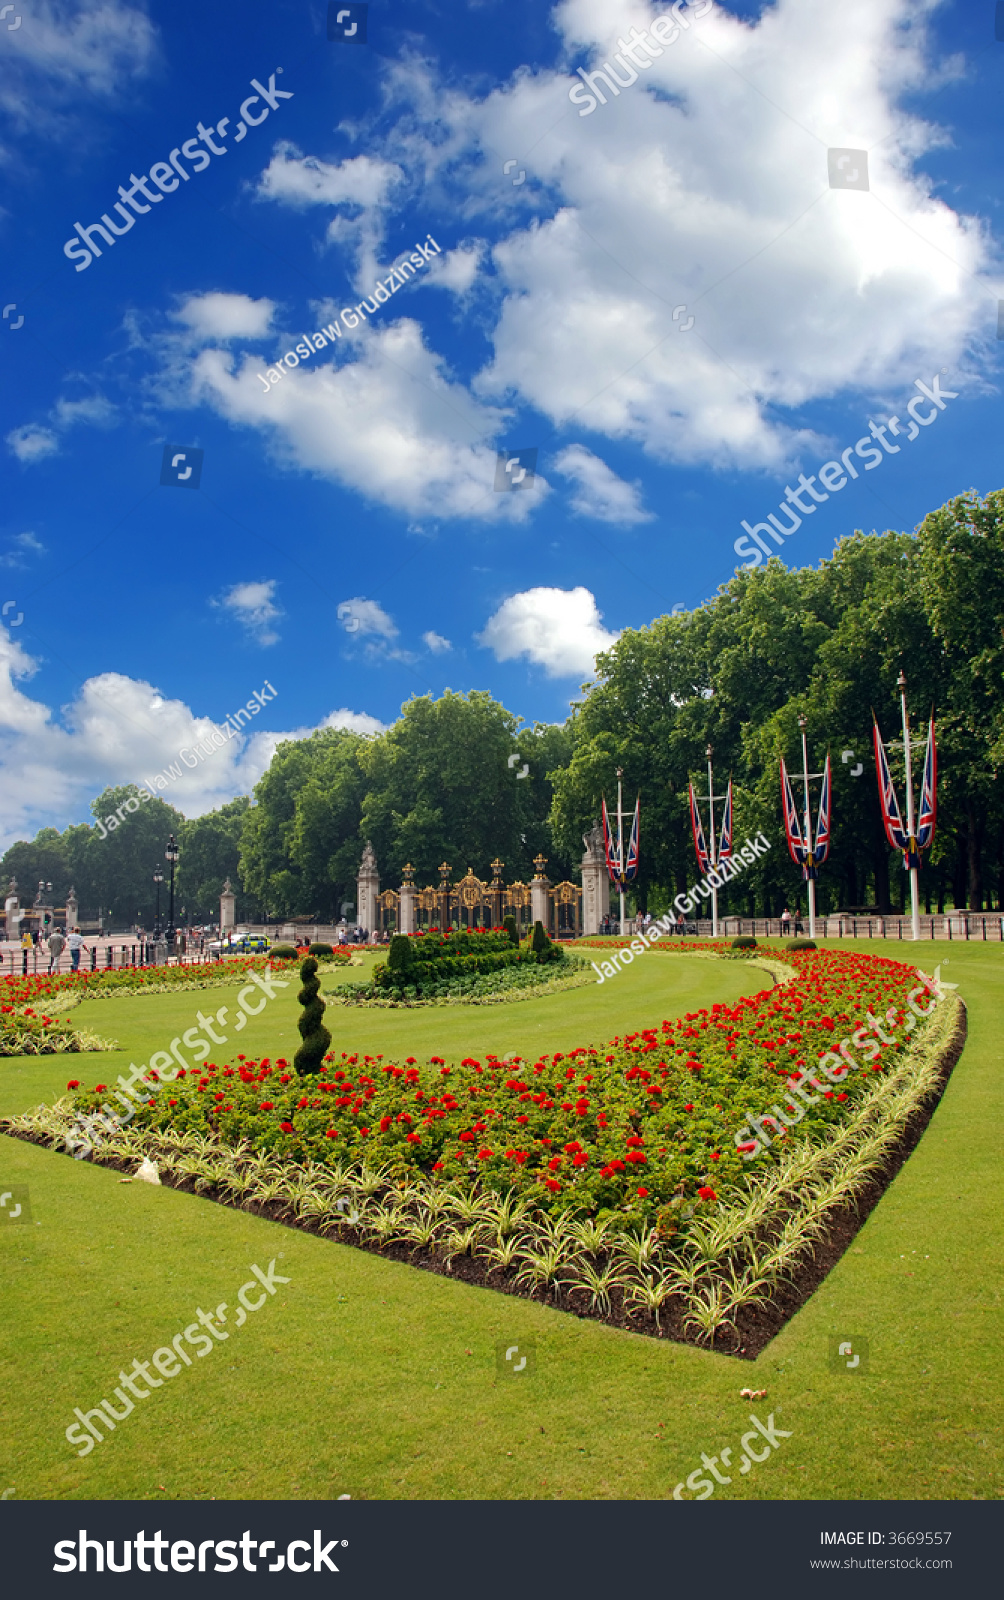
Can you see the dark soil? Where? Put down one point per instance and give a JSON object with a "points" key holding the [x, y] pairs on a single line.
{"points": [[753, 1328]]}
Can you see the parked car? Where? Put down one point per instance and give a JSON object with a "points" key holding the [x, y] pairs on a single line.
{"points": [[241, 944]]}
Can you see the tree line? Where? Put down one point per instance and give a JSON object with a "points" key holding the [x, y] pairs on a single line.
{"points": [[443, 784]]}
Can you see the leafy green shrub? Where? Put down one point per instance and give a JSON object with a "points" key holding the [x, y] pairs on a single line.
{"points": [[745, 941], [317, 949], [511, 928], [800, 944], [283, 952], [314, 1034], [399, 954]]}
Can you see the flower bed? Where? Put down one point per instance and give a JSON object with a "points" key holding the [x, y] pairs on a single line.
{"points": [[523, 982], [107, 981], [644, 1125], [426, 965], [25, 1032], [375, 1152]]}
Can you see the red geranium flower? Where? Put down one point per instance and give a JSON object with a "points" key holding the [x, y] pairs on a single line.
{"points": [[707, 1194]]}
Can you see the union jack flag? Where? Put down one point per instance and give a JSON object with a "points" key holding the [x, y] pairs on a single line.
{"points": [[821, 848], [613, 851], [700, 848], [797, 847], [725, 842], [895, 832], [928, 792]]}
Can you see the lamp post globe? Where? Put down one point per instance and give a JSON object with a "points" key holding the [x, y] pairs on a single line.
{"points": [[171, 853], [158, 878]]}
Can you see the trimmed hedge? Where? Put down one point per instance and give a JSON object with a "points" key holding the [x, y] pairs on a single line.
{"points": [[422, 961], [284, 952], [800, 944], [745, 941], [318, 949]]}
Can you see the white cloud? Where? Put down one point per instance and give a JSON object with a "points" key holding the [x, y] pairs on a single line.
{"points": [[60, 53], [94, 410], [30, 443], [457, 269], [24, 545], [220, 316], [436, 643], [598, 492], [120, 730], [355, 721], [386, 422], [557, 629], [253, 604], [302, 181], [361, 616]]}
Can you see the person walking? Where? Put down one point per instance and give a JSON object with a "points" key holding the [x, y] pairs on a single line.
{"points": [[27, 943], [785, 922], [75, 943], [56, 944]]}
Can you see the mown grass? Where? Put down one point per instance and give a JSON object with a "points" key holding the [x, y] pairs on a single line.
{"points": [[357, 1379]]}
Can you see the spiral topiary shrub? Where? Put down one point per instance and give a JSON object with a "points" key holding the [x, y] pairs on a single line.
{"points": [[745, 941], [283, 952], [314, 1034], [540, 944], [511, 928]]}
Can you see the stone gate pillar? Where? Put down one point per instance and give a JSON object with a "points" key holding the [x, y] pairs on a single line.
{"points": [[595, 881], [367, 889], [406, 907], [540, 905], [228, 907]]}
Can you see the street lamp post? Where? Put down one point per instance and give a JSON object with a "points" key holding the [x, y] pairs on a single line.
{"points": [[158, 878], [171, 855]]}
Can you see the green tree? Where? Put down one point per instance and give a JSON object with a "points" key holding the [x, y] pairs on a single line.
{"points": [[210, 853]]}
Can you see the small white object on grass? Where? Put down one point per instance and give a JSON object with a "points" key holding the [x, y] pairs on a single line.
{"points": [[345, 1497], [147, 1171]]}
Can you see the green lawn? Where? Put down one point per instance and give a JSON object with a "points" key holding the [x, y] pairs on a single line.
{"points": [[373, 1379]]}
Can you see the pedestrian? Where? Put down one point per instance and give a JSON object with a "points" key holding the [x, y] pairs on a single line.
{"points": [[75, 943], [785, 921], [56, 943]]}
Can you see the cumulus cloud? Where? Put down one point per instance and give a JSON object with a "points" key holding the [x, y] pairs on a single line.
{"points": [[557, 629], [120, 730], [220, 316], [704, 185], [436, 643], [360, 615], [598, 491], [386, 421], [457, 269], [23, 545], [354, 721], [253, 604], [30, 443], [302, 181]]}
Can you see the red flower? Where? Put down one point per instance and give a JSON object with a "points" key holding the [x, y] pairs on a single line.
{"points": [[707, 1194], [716, 1155], [485, 1154], [266, 1105], [643, 1193], [554, 1164], [385, 1123], [74, 1083], [437, 1166], [550, 1183], [287, 1127], [332, 1133]]}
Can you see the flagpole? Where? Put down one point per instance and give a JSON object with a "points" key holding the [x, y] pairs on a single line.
{"points": [[914, 873], [711, 846], [811, 883], [620, 846]]}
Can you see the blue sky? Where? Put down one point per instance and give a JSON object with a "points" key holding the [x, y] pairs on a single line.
{"points": [[346, 542]]}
